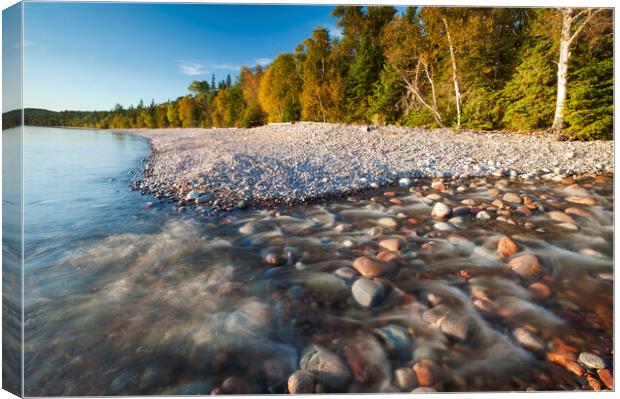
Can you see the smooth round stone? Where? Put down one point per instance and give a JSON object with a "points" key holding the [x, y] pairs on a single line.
{"points": [[591, 360], [512, 197], [367, 292], [404, 182], [396, 339], [405, 379], [526, 265], [561, 217], [457, 220], [247, 229], [483, 215], [434, 197], [346, 273], [387, 222], [583, 200], [391, 244], [528, 340], [442, 226], [441, 210], [327, 367], [568, 226], [192, 195], [506, 247], [368, 267], [301, 382]]}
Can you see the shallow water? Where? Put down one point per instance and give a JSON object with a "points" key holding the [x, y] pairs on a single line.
{"points": [[122, 298]]}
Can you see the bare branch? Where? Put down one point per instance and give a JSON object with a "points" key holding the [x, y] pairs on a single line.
{"points": [[584, 23]]}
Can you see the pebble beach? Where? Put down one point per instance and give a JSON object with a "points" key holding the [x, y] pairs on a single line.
{"points": [[294, 163]]}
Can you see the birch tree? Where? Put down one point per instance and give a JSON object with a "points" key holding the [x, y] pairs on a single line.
{"points": [[573, 23]]}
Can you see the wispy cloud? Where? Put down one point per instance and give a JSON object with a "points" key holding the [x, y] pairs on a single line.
{"points": [[190, 68], [263, 61], [226, 66]]}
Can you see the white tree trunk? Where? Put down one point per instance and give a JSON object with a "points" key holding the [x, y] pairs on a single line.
{"points": [[457, 91], [565, 40]]}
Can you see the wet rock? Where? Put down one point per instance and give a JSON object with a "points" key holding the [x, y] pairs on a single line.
{"points": [[192, 195], [438, 185], [367, 293], [578, 212], [238, 386], [539, 291], [607, 378], [387, 222], [568, 226], [391, 244], [251, 318], [561, 217], [442, 226], [512, 197], [574, 368], [591, 360], [528, 340], [368, 267], [327, 286], [461, 211], [506, 247], [346, 273], [405, 379], [593, 382], [451, 322], [247, 229], [483, 215], [387, 256], [526, 265], [523, 211], [301, 382], [404, 182], [396, 339], [366, 361], [441, 210], [423, 371], [583, 200], [434, 197], [327, 367]]}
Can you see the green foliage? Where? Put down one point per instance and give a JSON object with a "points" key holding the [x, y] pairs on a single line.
{"points": [[529, 97], [388, 92], [590, 105]]}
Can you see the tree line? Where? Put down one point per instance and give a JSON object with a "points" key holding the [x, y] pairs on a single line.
{"points": [[511, 69]]}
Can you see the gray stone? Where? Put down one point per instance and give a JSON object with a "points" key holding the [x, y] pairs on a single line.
{"points": [[367, 292], [396, 339], [591, 360], [327, 367]]}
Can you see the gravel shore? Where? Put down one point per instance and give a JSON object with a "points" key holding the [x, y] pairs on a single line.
{"points": [[284, 163]]}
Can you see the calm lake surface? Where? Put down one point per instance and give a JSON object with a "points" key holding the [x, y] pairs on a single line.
{"points": [[125, 298]]}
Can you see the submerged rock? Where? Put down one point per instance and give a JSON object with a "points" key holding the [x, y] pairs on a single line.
{"points": [[367, 292], [327, 367], [526, 265], [368, 267], [301, 382]]}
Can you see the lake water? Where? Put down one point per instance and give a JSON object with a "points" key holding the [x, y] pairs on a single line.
{"points": [[125, 298]]}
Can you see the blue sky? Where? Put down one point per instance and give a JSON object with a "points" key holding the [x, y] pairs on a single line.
{"points": [[91, 56]]}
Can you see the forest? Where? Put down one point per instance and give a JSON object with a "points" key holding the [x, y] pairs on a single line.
{"points": [[509, 69]]}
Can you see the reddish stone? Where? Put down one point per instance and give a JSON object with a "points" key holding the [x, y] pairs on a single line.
{"points": [[423, 372], [539, 291], [607, 378], [574, 368], [524, 211], [391, 244], [387, 256], [578, 212], [506, 247], [593, 382], [526, 265], [372, 267]]}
